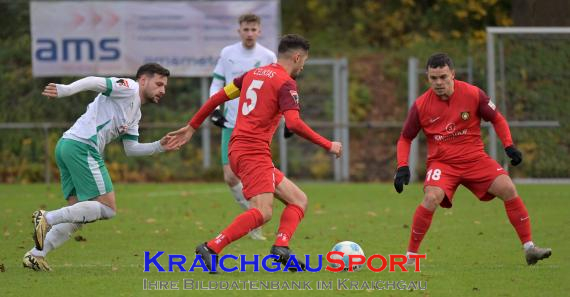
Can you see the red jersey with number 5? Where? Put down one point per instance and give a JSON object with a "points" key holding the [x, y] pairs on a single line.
{"points": [[265, 93]]}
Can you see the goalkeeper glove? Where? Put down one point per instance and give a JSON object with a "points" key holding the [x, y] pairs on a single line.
{"points": [[514, 154], [218, 118], [287, 133], [401, 178]]}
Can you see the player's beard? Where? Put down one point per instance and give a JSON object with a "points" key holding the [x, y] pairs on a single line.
{"points": [[149, 97]]}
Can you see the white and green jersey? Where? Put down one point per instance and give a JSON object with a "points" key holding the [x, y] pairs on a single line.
{"points": [[115, 112], [234, 61]]}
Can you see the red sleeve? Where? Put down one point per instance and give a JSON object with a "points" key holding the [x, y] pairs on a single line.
{"points": [[502, 128], [295, 124], [288, 97], [488, 112], [487, 109], [206, 109], [403, 151], [238, 81], [410, 130]]}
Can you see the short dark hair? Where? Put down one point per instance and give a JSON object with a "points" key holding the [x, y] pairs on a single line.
{"points": [[249, 18], [292, 42], [151, 69], [439, 60]]}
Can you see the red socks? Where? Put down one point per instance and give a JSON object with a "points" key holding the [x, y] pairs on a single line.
{"points": [[420, 226], [290, 218], [518, 215], [241, 225]]}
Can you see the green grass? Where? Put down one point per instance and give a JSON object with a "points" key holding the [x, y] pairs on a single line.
{"points": [[472, 249]]}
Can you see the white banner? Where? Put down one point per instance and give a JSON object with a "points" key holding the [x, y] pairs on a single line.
{"points": [[116, 37]]}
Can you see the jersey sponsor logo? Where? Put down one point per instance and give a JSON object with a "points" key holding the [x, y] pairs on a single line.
{"points": [[295, 96], [450, 127], [492, 105], [123, 128], [465, 115], [122, 83], [440, 137]]}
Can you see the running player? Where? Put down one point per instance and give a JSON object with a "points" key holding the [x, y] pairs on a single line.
{"points": [[85, 181], [266, 94]]}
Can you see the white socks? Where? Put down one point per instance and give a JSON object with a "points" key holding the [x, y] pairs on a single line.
{"points": [[527, 245], [238, 196], [81, 212], [56, 236]]}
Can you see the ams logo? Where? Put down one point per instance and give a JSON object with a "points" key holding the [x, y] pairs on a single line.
{"points": [[77, 49]]}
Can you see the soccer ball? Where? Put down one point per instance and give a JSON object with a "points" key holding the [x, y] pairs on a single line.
{"points": [[348, 248]]}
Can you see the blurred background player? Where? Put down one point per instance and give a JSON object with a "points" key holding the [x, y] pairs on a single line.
{"points": [[450, 114], [266, 94], [235, 60], [85, 181]]}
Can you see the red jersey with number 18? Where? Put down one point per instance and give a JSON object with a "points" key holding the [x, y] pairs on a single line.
{"points": [[265, 93], [452, 127]]}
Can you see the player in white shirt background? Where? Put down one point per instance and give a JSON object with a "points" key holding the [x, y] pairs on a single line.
{"points": [[85, 181], [235, 60]]}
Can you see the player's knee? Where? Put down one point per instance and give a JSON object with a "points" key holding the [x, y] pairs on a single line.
{"points": [[431, 201], [266, 213], [509, 191], [231, 179], [302, 201], [107, 212]]}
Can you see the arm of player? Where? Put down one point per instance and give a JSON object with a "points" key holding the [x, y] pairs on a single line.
{"points": [[183, 135], [90, 83], [489, 112], [294, 123], [410, 130], [133, 148], [218, 81]]}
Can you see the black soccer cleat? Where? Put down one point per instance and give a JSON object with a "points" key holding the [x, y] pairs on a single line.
{"points": [[206, 254], [284, 253]]}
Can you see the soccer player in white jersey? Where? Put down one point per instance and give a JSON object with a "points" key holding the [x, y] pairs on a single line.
{"points": [[235, 60], [85, 181]]}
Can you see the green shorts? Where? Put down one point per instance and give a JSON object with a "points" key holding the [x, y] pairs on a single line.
{"points": [[226, 134], [82, 170]]}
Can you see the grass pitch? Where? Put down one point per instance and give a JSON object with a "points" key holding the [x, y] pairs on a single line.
{"points": [[472, 249]]}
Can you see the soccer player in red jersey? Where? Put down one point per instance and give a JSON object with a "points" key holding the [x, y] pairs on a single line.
{"points": [[450, 114], [265, 93]]}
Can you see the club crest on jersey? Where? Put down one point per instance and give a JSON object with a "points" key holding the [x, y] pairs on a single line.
{"points": [[123, 83], [295, 96], [465, 115]]}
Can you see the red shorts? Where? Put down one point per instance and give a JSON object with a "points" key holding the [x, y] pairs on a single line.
{"points": [[256, 172], [476, 176]]}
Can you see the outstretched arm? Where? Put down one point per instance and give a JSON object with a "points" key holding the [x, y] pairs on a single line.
{"points": [[133, 148], [184, 134], [294, 123], [90, 83]]}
